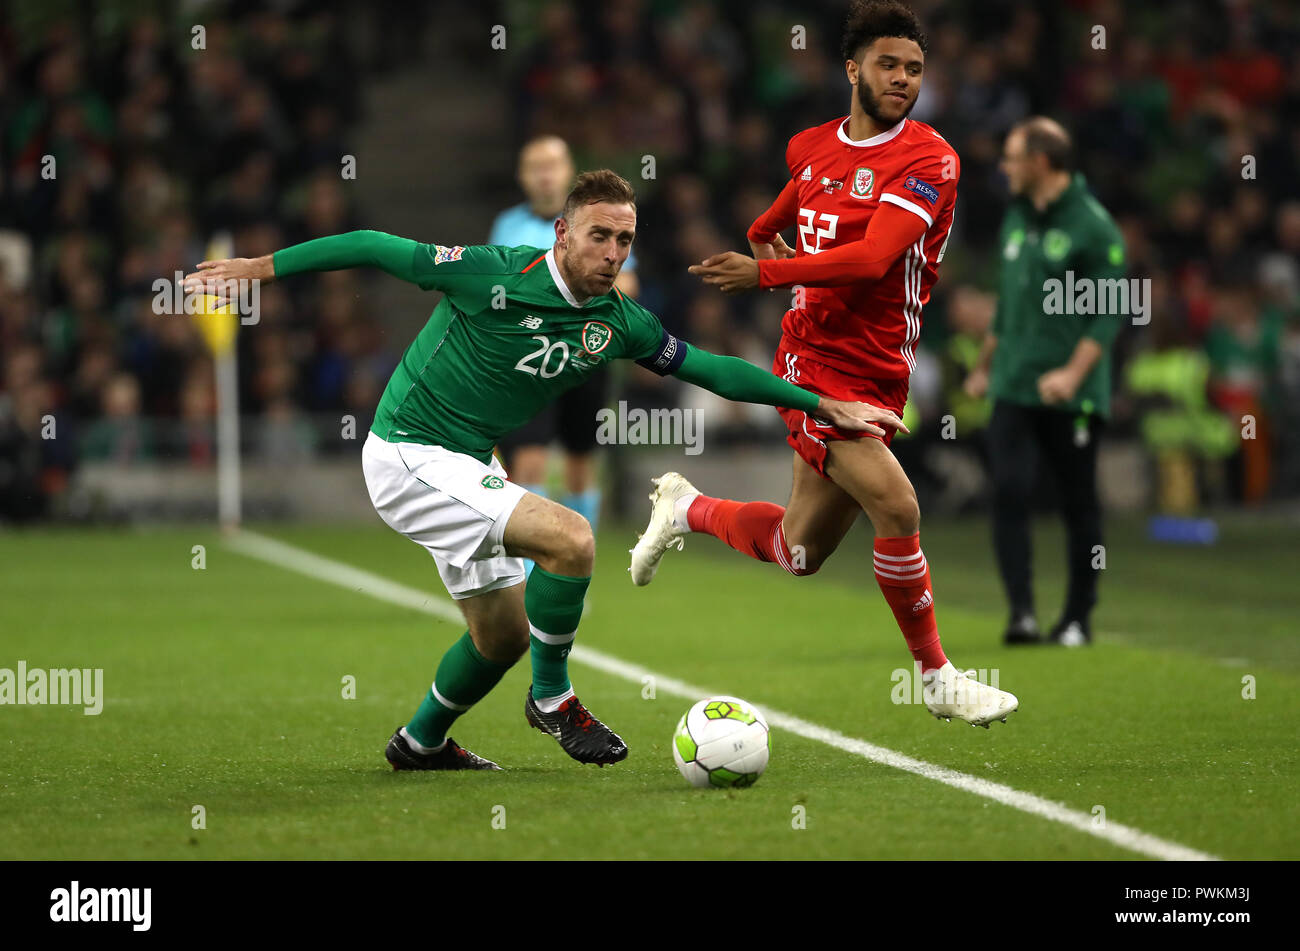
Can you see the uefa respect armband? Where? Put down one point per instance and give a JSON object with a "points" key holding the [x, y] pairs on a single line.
{"points": [[668, 358]]}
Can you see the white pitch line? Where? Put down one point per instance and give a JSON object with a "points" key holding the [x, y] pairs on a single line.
{"points": [[355, 579]]}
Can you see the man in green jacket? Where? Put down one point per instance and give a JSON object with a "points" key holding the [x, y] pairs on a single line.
{"points": [[1062, 298], [517, 327]]}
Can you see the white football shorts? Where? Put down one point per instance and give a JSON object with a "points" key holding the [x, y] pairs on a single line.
{"points": [[451, 504]]}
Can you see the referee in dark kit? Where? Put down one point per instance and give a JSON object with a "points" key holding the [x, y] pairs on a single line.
{"points": [[1062, 297]]}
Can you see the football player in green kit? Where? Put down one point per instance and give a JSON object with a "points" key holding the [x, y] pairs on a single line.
{"points": [[515, 329]]}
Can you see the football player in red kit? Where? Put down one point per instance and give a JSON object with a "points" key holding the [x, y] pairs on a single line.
{"points": [[871, 195]]}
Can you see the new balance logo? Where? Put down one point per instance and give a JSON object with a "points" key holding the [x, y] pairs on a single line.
{"points": [[925, 602], [531, 322], [807, 175]]}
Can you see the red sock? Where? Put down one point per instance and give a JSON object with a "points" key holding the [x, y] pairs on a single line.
{"points": [[904, 579], [750, 527]]}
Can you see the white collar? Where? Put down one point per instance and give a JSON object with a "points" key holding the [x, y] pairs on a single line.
{"points": [[880, 139], [554, 268]]}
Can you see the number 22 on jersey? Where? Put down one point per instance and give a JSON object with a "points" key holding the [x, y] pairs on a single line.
{"points": [[808, 229]]}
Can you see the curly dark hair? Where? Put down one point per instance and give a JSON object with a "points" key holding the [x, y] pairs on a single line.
{"points": [[868, 20]]}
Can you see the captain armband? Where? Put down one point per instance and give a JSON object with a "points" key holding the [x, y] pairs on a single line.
{"points": [[667, 359]]}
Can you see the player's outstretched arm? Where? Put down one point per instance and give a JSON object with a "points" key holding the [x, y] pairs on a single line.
{"points": [[891, 231], [335, 252], [736, 379], [764, 239]]}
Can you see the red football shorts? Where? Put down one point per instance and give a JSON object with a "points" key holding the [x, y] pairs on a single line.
{"points": [[808, 435]]}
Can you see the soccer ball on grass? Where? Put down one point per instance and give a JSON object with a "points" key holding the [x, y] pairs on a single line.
{"points": [[722, 741]]}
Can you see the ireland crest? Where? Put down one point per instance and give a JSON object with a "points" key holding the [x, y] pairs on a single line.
{"points": [[596, 336], [864, 182], [1056, 244]]}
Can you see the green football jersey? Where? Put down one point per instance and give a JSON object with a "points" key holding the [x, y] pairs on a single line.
{"points": [[507, 338], [1074, 235]]}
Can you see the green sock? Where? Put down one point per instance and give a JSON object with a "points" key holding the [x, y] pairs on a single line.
{"points": [[554, 606], [464, 678]]}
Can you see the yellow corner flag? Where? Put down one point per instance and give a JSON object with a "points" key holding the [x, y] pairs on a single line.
{"points": [[218, 323]]}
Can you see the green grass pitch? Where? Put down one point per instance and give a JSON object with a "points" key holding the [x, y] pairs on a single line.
{"points": [[224, 689]]}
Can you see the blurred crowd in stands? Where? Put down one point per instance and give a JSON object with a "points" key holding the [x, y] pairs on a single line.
{"points": [[1186, 116], [124, 151]]}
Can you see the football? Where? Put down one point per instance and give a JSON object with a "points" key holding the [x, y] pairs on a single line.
{"points": [[722, 741]]}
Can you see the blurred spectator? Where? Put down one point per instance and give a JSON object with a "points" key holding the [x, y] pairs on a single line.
{"points": [[1188, 126], [1243, 345], [122, 436], [120, 157]]}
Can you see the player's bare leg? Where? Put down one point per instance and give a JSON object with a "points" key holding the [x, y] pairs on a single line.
{"points": [[556, 538], [528, 468], [818, 517], [561, 544], [497, 623], [870, 473]]}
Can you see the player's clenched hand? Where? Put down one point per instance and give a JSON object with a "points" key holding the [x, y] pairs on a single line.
{"points": [[772, 251], [858, 416], [730, 271], [220, 278], [1058, 386], [977, 383]]}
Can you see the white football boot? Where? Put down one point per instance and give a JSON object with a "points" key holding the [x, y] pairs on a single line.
{"points": [[950, 692], [663, 532]]}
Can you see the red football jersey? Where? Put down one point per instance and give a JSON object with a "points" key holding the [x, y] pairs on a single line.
{"points": [[868, 328]]}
